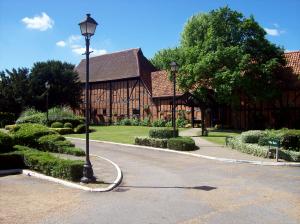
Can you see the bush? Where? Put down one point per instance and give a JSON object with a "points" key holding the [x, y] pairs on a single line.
{"points": [[253, 149], [12, 127], [62, 131], [146, 122], [50, 165], [169, 124], [80, 129], [162, 133], [7, 118], [182, 144], [38, 118], [135, 122], [159, 123], [28, 134], [153, 142], [6, 142], [289, 155], [57, 143], [181, 122], [57, 124], [68, 125], [252, 136], [11, 161], [125, 122], [291, 140]]}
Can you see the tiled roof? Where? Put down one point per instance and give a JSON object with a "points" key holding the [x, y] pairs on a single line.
{"points": [[118, 65], [293, 61], [162, 86]]}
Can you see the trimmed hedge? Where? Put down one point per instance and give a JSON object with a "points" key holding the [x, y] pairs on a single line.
{"points": [[153, 142], [12, 127], [37, 118], [6, 142], [63, 131], [252, 136], [68, 125], [57, 124], [50, 165], [253, 149], [80, 129], [57, 143], [28, 134], [162, 133], [182, 144], [289, 155]]}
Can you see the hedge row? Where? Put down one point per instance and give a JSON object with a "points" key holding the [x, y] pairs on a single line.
{"points": [[57, 143], [44, 138], [289, 139], [162, 133], [179, 143], [6, 142], [46, 163], [261, 151]]}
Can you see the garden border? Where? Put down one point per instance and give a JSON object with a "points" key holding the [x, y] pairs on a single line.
{"points": [[226, 160], [30, 173]]}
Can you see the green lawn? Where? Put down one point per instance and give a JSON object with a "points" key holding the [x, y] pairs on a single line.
{"points": [[121, 134], [218, 136]]}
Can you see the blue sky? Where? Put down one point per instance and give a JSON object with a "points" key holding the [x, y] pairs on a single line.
{"points": [[35, 30]]}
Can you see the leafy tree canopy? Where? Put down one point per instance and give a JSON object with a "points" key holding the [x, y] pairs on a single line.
{"points": [[224, 54], [20, 88]]}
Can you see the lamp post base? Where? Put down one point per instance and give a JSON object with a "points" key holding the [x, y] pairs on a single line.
{"points": [[88, 174]]}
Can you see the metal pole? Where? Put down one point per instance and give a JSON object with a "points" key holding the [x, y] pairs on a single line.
{"points": [[88, 174], [47, 102], [174, 106]]}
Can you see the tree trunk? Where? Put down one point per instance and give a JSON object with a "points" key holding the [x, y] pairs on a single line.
{"points": [[203, 128]]}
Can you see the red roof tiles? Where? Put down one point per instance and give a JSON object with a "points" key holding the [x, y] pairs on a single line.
{"points": [[293, 61]]}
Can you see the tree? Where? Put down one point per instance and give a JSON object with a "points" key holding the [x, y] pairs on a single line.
{"points": [[65, 86], [13, 90], [225, 55]]}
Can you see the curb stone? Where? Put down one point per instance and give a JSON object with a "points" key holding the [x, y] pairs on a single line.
{"points": [[226, 160], [30, 173]]}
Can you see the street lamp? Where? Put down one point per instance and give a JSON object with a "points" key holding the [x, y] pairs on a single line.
{"points": [[47, 86], [87, 28], [174, 69]]}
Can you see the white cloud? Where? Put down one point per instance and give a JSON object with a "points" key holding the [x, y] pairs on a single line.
{"points": [[61, 43], [272, 32], [74, 38], [41, 23], [78, 49]]}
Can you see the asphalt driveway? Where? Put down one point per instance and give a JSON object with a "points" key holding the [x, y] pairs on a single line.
{"points": [[163, 187]]}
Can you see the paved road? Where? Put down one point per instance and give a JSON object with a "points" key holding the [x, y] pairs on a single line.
{"points": [[162, 187]]}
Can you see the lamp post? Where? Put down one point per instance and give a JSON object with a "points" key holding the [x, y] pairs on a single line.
{"points": [[47, 86], [87, 28], [174, 69]]}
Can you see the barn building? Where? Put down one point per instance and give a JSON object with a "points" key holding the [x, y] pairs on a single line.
{"points": [[125, 84]]}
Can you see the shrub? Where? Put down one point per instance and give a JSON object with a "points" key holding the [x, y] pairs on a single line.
{"points": [[153, 142], [289, 155], [146, 122], [38, 118], [28, 134], [169, 124], [57, 124], [11, 161], [68, 125], [291, 140], [62, 131], [7, 118], [12, 127], [253, 149], [162, 133], [135, 122], [64, 114], [50, 165], [182, 144], [159, 123], [181, 122], [80, 129], [125, 122], [252, 136], [6, 142]]}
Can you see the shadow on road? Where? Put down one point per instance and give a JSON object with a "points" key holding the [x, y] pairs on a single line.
{"points": [[124, 188]]}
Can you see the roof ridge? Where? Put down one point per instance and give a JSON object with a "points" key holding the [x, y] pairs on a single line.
{"points": [[289, 52], [115, 52]]}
